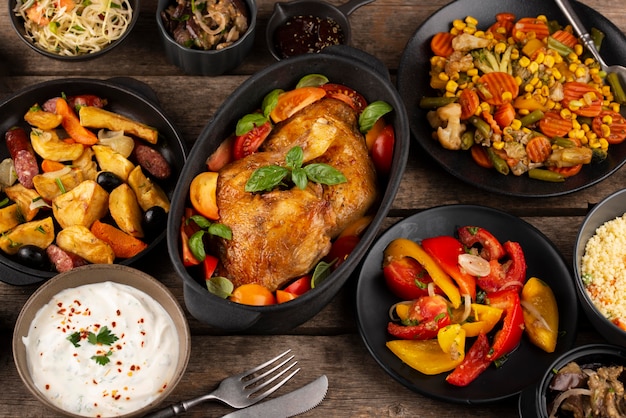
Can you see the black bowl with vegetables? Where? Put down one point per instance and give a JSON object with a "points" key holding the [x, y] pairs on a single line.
{"points": [[567, 381], [124, 96], [343, 65]]}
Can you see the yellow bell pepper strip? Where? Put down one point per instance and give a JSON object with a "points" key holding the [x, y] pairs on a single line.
{"points": [[427, 316], [509, 336], [426, 356], [402, 247], [451, 338], [541, 314], [483, 319], [473, 365], [445, 250]]}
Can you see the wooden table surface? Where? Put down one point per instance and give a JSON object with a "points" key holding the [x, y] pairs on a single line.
{"points": [[329, 343]]}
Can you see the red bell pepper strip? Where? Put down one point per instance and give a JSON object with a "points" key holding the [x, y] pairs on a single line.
{"points": [[508, 275], [446, 250], [474, 363], [209, 264], [429, 313], [509, 336], [188, 258], [491, 247]]}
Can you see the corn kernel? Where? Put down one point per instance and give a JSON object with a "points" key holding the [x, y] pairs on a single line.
{"points": [[551, 104], [580, 72], [608, 119], [594, 144], [556, 73], [443, 76], [455, 31], [516, 124], [615, 107], [523, 112], [472, 72], [540, 58], [469, 29], [524, 62], [578, 49], [576, 125], [499, 48], [451, 86], [573, 58], [507, 96], [545, 91], [480, 33], [498, 145], [526, 130], [533, 67], [549, 61], [458, 24], [518, 80], [604, 144], [470, 20], [543, 18], [606, 130], [475, 78], [484, 107], [529, 88], [566, 114], [514, 54]]}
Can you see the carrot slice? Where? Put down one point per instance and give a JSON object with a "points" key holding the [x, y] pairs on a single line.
{"points": [[72, 125], [553, 125], [538, 149], [504, 115], [582, 99], [527, 25], [441, 44], [48, 166], [124, 245], [479, 155], [501, 29], [617, 126], [488, 117], [469, 101], [567, 171], [497, 88], [566, 38]]}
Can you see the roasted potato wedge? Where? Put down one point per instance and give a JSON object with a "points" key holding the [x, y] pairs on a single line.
{"points": [[41, 119], [23, 197], [110, 160], [10, 217], [148, 194], [78, 239], [54, 183], [86, 164], [125, 210], [82, 205], [94, 117], [39, 233], [49, 146]]}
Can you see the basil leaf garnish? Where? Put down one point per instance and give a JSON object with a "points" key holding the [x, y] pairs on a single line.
{"points": [[324, 174], [299, 178], [266, 178], [294, 158], [371, 114], [220, 286], [220, 230], [270, 101], [249, 122], [196, 245]]}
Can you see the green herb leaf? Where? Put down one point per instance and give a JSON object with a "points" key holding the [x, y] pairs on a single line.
{"points": [[270, 101], [294, 158], [103, 359], [371, 114], [324, 174], [220, 230], [74, 339], [196, 245], [248, 122], [312, 80], [220, 286], [321, 272], [200, 220], [266, 178], [299, 178], [104, 337]]}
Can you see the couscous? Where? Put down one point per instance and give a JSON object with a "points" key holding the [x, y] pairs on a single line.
{"points": [[604, 270]]}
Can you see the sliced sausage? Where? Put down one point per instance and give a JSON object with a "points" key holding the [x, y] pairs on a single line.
{"points": [[151, 160], [23, 156], [63, 260]]}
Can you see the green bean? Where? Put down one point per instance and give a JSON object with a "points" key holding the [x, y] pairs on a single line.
{"points": [[498, 163], [533, 117], [483, 127], [559, 47], [467, 140], [616, 86], [562, 142], [435, 102], [597, 36], [545, 175]]}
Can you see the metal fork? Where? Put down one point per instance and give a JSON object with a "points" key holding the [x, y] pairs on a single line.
{"points": [[241, 390], [579, 27]]}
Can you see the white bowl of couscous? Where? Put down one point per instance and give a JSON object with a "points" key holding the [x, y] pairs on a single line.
{"points": [[600, 267]]}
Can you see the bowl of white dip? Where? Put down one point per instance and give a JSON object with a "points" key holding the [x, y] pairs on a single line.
{"points": [[101, 340]]}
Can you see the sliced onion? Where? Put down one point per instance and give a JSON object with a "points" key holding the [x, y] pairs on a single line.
{"points": [[59, 173], [392, 310], [467, 307], [119, 142], [534, 312], [564, 395], [38, 203], [474, 265], [8, 176], [431, 289]]}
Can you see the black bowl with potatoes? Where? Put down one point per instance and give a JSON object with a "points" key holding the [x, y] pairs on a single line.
{"points": [[352, 68]]}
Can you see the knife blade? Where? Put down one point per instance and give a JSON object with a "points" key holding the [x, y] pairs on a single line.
{"points": [[293, 403]]}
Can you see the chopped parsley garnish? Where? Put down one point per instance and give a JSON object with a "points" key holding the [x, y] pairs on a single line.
{"points": [[74, 339], [103, 359], [103, 337]]}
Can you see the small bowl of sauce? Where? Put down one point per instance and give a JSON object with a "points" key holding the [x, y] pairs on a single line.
{"points": [[305, 27]]}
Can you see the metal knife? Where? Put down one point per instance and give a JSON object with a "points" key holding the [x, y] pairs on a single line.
{"points": [[288, 405]]}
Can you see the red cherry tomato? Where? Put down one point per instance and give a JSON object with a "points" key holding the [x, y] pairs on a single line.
{"points": [[341, 249], [250, 142], [253, 294], [346, 94], [406, 278], [382, 150], [300, 286]]}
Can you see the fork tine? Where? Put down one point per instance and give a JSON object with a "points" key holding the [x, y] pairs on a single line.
{"points": [[261, 366], [261, 386]]}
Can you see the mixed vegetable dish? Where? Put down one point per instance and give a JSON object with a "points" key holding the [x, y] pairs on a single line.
{"points": [[523, 97], [80, 185], [289, 175], [465, 303]]}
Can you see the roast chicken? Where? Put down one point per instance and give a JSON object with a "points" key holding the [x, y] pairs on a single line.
{"points": [[282, 234]]}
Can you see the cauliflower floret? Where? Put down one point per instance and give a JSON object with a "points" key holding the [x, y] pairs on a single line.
{"points": [[447, 121], [467, 42]]}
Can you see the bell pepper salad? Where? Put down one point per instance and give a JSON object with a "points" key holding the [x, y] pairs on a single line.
{"points": [[468, 290], [522, 96], [201, 221]]}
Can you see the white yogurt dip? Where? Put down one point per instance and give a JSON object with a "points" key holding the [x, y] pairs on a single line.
{"points": [[76, 361]]}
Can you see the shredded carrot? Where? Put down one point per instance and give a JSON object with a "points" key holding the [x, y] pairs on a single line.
{"points": [[488, 117]]}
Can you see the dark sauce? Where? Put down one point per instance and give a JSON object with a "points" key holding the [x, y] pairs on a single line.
{"points": [[307, 34]]}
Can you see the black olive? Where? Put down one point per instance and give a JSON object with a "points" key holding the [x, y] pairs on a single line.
{"points": [[108, 180], [154, 221], [33, 256]]}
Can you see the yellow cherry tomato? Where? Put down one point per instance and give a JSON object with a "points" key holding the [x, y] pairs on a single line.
{"points": [[253, 294]]}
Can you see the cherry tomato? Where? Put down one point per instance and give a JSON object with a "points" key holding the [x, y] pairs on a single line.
{"points": [[253, 294], [291, 101], [430, 313], [346, 94], [382, 150], [341, 249], [222, 155], [282, 296], [300, 286], [202, 193], [250, 142], [406, 278]]}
